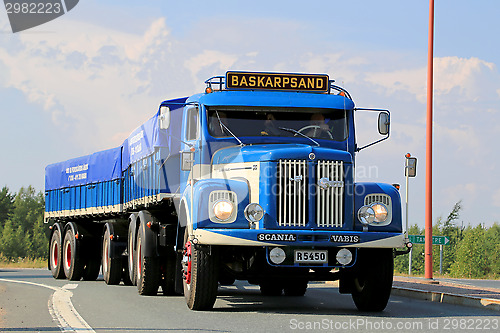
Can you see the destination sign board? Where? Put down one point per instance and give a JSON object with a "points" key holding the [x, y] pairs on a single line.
{"points": [[277, 81]]}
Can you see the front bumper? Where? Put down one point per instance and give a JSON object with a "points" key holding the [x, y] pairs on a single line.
{"points": [[323, 238]]}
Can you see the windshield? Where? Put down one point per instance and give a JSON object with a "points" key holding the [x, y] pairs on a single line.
{"points": [[328, 124]]}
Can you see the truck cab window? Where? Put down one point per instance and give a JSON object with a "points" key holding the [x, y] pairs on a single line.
{"points": [[328, 124], [192, 124]]}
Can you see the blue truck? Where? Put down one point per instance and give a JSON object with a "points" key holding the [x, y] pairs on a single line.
{"points": [[253, 180]]}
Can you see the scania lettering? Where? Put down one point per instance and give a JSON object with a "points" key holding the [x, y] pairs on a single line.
{"points": [[251, 180]]}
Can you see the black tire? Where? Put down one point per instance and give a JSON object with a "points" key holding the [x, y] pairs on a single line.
{"points": [[72, 262], [148, 270], [168, 273], [131, 258], [271, 288], [92, 268], [55, 255], [372, 283], [125, 273], [295, 287], [200, 270], [111, 267]]}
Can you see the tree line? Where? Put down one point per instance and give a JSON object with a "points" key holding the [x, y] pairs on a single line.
{"points": [[22, 231], [473, 252]]}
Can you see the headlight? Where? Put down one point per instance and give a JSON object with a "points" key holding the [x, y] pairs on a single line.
{"points": [[223, 210], [376, 212], [254, 212], [380, 212], [366, 215]]}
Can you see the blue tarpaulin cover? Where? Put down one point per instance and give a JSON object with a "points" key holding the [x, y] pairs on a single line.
{"points": [[108, 164], [97, 167]]}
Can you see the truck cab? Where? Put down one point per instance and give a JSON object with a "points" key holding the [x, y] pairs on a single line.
{"points": [[268, 180]]}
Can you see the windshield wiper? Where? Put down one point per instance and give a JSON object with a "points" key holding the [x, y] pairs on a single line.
{"points": [[223, 126], [297, 132]]}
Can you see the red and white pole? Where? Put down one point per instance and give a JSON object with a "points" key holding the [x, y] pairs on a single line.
{"points": [[428, 174]]}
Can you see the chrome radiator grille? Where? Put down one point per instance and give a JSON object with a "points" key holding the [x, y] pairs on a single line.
{"points": [[330, 193], [292, 193], [295, 192]]}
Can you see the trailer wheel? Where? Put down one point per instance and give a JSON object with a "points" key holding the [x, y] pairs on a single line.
{"points": [[200, 276], [295, 287], [148, 270], [125, 273], [55, 255], [131, 258], [271, 288], [72, 262], [372, 283], [111, 267]]}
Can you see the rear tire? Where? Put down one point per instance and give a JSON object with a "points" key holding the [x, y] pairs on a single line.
{"points": [[111, 267], [72, 263], [200, 270], [148, 270], [55, 255], [131, 258], [372, 283]]}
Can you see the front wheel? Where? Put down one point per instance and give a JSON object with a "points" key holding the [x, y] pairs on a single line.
{"points": [[372, 283], [200, 276]]}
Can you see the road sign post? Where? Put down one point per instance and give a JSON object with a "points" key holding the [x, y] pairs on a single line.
{"points": [[410, 171], [436, 240]]}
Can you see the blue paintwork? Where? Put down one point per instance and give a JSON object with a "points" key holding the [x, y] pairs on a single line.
{"points": [[202, 190], [363, 189]]}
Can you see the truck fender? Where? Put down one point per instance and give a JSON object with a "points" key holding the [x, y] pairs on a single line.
{"points": [[118, 242], [150, 239], [56, 226]]}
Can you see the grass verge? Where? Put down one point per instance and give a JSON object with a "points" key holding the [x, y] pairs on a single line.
{"points": [[22, 263]]}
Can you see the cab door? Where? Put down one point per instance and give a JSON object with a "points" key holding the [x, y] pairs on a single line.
{"points": [[190, 147]]}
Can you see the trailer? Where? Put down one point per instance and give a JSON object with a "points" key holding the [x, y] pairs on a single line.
{"points": [[253, 180]]}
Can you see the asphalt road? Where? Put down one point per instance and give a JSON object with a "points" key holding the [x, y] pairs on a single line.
{"points": [[32, 301]]}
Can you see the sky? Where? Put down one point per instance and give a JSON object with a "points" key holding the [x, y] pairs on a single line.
{"points": [[82, 82]]}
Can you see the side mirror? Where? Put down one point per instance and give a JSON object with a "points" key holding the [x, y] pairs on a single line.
{"points": [[164, 117], [187, 160], [383, 123], [411, 167]]}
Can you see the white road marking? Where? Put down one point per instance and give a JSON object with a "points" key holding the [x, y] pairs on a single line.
{"points": [[60, 307]]}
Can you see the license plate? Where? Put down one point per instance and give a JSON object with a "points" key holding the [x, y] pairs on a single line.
{"points": [[311, 256]]}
